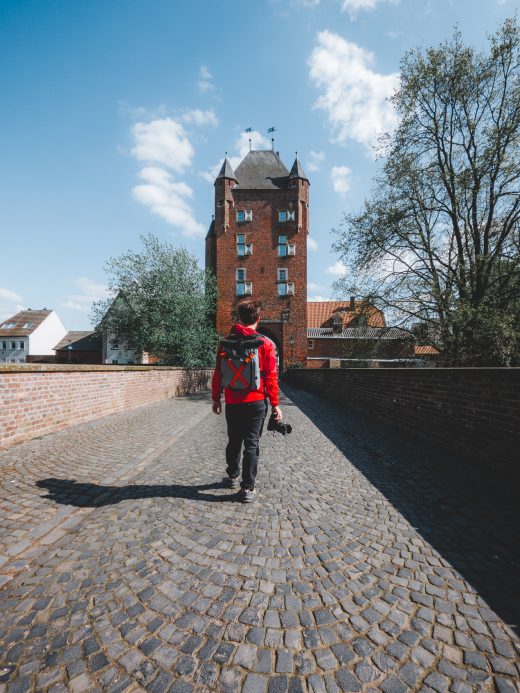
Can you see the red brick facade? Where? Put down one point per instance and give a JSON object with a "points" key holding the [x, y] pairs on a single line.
{"points": [[284, 318]]}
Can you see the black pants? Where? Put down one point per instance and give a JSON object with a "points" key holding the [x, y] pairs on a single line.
{"points": [[244, 425]]}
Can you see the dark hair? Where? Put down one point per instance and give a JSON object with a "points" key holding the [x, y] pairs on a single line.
{"points": [[249, 312]]}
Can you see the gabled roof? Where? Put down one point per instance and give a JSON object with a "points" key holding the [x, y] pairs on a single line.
{"points": [[320, 312], [262, 170], [32, 318], [226, 171], [88, 341], [297, 170]]}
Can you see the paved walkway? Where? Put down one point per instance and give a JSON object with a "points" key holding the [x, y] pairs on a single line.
{"points": [[367, 563]]}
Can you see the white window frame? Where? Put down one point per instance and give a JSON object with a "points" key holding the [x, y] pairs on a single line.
{"points": [[27, 325], [8, 326], [282, 244], [248, 215], [310, 344], [290, 288], [4, 345], [282, 274], [291, 249], [114, 346], [21, 346], [239, 278], [13, 345], [285, 215]]}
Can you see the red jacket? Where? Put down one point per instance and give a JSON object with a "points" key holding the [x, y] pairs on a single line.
{"points": [[268, 375]]}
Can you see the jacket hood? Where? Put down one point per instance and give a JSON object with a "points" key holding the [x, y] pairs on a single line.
{"points": [[242, 329]]}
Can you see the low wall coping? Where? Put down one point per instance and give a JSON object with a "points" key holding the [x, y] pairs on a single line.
{"points": [[74, 367]]}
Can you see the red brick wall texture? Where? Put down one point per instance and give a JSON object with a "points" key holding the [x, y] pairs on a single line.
{"points": [[43, 399], [471, 411]]}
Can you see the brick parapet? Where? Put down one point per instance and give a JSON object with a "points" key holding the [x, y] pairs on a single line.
{"points": [[474, 411], [39, 399]]}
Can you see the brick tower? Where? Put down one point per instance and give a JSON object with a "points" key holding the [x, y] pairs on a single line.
{"points": [[257, 245]]}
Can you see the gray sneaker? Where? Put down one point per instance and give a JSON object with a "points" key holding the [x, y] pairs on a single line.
{"points": [[232, 481], [247, 495]]}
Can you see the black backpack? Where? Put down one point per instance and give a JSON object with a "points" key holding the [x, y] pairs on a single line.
{"points": [[240, 362]]}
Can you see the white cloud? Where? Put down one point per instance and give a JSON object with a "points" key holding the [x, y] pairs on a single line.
{"points": [[340, 177], [205, 82], [318, 298], [8, 295], [162, 141], [311, 243], [240, 149], [89, 291], [167, 199], [354, 6], [10, 303], [198, 117], [337, 269], [315, 159], [353, 95], [307, 3]]}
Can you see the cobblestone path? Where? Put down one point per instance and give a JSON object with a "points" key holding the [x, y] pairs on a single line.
{"points": [[365, 564]]}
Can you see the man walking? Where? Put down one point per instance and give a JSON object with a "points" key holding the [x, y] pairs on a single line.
{"points": [[246, 405]]}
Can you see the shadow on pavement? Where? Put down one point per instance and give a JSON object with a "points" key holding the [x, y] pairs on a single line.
{"points": [[87, 495], [470, 518]]}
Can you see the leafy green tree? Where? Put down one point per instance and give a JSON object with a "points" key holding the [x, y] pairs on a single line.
{"points": [[161, 303], [438, 240]]}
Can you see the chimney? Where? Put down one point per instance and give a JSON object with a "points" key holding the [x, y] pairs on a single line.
{"points": [[352, 303]]}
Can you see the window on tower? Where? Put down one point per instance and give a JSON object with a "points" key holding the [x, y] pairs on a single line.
{"points": [[243, 248], [243, 287], [244, 215], [285, 287], [286, 215], [285, 248]]}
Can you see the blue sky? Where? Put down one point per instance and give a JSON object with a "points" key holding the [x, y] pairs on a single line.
{"points": [[115, 115]]}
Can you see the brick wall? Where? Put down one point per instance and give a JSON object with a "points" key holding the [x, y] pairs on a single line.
{"points": [[40, 399], [473, 411]]}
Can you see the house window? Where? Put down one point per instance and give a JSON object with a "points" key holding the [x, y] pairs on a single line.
{"points": [[21, 360], [8, 325], [13, 345], [285, 215], [114, 345], [115, 362], [3, 345], [310, 343], [283, 274], [285, 248], [243, 248], [12, 360], [243, 287], [244, 215], [27, 324], [22, 345]]}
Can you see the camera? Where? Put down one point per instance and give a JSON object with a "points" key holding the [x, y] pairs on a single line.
{"points": [[278, 426]]}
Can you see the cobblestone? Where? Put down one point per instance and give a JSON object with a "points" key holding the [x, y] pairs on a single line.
{"points": [[128, 566]]}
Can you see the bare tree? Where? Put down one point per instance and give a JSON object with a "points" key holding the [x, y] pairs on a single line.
{"points": [[438, 240]]}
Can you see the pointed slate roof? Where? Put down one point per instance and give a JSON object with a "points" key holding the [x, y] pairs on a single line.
{"points": [[297, 170], [262, 169], [211, 230], [226, 171]]}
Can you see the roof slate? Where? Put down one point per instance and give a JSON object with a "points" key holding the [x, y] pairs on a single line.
{"points": [[36, 317], [262, 170], [211, 230], [297, 170], [319, 312], [226, 171]]}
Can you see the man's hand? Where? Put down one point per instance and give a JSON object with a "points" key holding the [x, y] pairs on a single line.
{"points": [[216, 407], [278, 413]]}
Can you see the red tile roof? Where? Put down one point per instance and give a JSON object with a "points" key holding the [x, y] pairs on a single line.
{"points": [[426, 351], [34, 318], [320, 312]]}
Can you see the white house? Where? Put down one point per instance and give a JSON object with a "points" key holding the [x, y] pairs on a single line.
{"points": [[30, 333]]}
